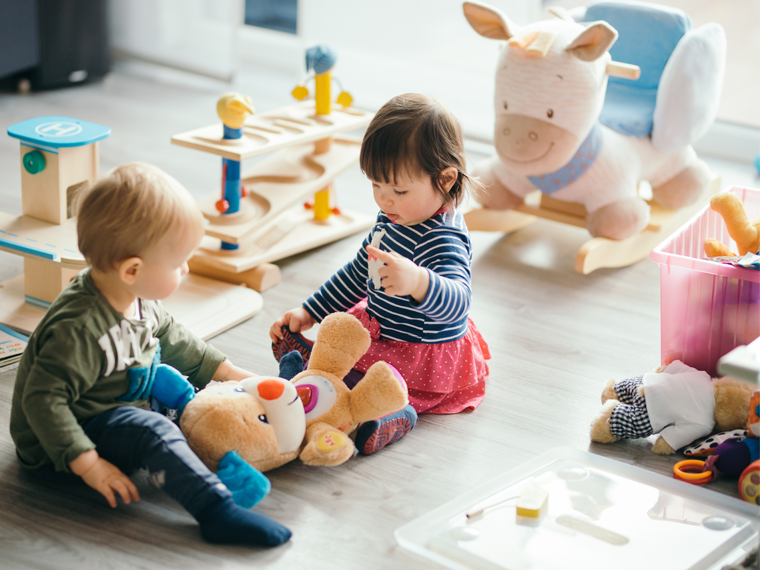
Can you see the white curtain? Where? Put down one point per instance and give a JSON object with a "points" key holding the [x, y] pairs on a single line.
{"points": [[195, 35]]}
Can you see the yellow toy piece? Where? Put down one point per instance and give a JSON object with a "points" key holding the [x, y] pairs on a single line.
{"points": [[344, 99], [233, 108], [322, 209], [531, 502], [744, 232], [300, 92], [322, 93]]}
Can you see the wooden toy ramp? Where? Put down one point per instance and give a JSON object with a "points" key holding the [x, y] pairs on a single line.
{"points": [[281, 181], [205, 306], [266, 132], [597, 252], [295, 231]]}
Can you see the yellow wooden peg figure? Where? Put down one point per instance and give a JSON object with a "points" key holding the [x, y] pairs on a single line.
{"points": [[233, 108]]}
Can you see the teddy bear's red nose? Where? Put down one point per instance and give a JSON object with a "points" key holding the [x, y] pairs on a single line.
{"points": [[271, 389]]}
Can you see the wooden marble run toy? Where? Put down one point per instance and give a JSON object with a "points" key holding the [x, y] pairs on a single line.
{"points": [[259, 217], [59, 158]]}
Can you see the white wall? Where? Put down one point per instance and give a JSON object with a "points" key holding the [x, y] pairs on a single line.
{"points": [[390, 47], [196, 35]]}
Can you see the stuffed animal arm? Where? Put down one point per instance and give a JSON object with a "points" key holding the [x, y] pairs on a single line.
{"points": [[744, 232]]}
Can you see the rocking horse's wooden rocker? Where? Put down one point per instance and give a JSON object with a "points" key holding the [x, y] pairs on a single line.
{"points": [[573, 147]]}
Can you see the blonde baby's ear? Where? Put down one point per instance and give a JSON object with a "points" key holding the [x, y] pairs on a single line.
{"points": [[129, 269]]}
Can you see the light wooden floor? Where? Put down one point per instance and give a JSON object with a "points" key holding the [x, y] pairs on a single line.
{"points": [[556, 337]]}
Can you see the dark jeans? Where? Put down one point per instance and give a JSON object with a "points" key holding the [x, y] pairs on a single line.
{"points": [[132, 438]]}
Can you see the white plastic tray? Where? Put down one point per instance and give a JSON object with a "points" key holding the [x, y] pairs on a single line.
{"points": [[601, 514]]}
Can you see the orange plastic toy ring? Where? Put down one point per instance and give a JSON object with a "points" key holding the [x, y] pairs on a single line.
{"points": [[690, 470]]}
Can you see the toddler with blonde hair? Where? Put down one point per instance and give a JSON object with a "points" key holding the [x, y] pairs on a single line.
{"points": [[81, 402]]}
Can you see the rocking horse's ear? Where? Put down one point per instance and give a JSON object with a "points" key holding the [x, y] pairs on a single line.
{"points": [[593, 42], [488, 21]]}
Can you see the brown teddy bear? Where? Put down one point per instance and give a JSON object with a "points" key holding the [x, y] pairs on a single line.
{"points": [[679, 402], [270, 421]]}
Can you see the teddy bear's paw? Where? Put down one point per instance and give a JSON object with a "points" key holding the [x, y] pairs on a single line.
{"points": [[600, 425], [608, 393], [328, 448], [661, 447]]}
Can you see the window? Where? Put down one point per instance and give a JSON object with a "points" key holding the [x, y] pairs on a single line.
{"points": [[277, 15]]}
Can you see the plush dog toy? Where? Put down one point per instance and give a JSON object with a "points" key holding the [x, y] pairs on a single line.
{"points": [[270, 421], [679, 402], [744, 232]]}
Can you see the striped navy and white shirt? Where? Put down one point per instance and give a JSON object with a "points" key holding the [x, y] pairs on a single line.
{"points": [[442, 246]]}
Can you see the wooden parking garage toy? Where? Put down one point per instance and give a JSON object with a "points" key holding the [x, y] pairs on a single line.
{"points": [[59, 158]]}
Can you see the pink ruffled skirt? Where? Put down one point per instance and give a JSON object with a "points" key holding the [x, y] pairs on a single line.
{"points": [[443, 378]]}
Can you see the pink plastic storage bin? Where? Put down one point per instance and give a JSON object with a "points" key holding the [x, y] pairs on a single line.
{"points": [[706, 308]]}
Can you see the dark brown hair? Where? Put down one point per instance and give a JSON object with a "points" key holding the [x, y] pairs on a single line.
{"points": [[415, 135]]}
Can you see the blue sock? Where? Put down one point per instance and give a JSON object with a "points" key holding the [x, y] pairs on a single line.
{"points": [[227, 523], [372, 436], [291, 364]]}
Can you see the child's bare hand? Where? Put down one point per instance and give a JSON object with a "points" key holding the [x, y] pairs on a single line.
{"points": [[105, 478], [298, 320], [401, 276]]}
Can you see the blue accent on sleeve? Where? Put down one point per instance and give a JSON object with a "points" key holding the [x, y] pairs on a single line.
{"points": [[247, 484], [141, 380], [171, 388]]}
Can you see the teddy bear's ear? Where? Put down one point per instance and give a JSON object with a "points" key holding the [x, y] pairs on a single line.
{"points": [[341, 341]]}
